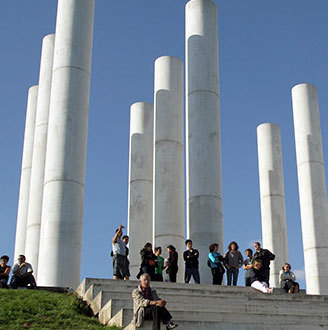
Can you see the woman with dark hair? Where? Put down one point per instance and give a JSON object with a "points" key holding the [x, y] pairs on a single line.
{"points": [[215, 263], [148, 261], [233, 261], [288, 279], [172, 263], [4, 271]]}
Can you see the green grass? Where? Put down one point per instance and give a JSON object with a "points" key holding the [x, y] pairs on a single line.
{"points": [[29, 309]]}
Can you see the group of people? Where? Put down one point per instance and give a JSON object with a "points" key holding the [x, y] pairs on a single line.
{"points": [[256, 266], [22, 274]]}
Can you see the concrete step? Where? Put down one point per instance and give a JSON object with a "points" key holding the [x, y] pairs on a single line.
{"points": [[239, 308], [86, 283], [124, 316], [94, 289], [204, 325], [211, 302], [209, 307]]}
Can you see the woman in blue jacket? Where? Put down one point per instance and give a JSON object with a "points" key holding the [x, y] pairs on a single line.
{"points": [[215, 262]]}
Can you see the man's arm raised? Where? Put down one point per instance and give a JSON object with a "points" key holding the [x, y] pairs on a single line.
{"points": [[114, 240]]}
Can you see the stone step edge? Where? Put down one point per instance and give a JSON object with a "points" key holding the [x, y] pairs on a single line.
{"points": [[119, 316]]}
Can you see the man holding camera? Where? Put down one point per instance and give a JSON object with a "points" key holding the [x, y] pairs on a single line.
{"points": [[120, 264]]}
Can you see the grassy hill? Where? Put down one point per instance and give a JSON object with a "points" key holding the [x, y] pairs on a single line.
{"points": [[32, 309]]}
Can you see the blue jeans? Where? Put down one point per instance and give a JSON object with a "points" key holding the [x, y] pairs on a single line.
{"points": [[232, 274]]}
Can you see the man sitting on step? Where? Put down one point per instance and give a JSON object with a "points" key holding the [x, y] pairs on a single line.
{"points": [[22, 274], [147, 305]]}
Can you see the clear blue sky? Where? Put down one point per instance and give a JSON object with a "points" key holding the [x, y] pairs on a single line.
{"points": [[266, 47]]}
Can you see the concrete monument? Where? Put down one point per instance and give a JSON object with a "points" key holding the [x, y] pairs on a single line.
{"points": [[140, 200], [273, 211], [39, 153], [24, 190], [203, 145], [312, 187], [63, 195], [168, 170]]}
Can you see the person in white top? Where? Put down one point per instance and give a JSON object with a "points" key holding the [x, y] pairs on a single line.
{"points": [[22, 274], [288, 279]]}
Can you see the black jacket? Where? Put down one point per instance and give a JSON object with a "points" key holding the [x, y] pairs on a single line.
{"points": [[191, 258], [148, 258], [266, 256], [256, 275], [172, 262]]}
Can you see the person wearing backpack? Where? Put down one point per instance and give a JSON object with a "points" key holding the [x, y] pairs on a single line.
{"points": [[215, 263]]}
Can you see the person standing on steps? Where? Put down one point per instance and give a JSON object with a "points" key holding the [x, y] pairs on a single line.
{"points": [[191, 257], [125, 240], [215, 263], [148, 261], [120, 267], [233, 261], [147, 305], [22, 274], [248, 265], [4, 271], [172, 263], [159, 265], [266, 256]]}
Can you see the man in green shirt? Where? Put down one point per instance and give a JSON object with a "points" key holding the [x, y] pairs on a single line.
{"points": [[159, 265]]}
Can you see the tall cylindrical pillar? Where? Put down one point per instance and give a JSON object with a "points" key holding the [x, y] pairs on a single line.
{"points": [[24, 190], [272, 192], [204, 181], [312, 187], [168, 173], [39, 153], [140, 200], [63, 194]]}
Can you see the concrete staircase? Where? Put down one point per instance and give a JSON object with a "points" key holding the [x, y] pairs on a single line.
{"points": [[197, 307]]}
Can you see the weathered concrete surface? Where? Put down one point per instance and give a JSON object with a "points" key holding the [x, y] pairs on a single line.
{"points": [[273, 211], [168, 210], [140, 200], [203, 142], [63, 195], [209, 307], [24, 190], [312, 187], [39, 153]]}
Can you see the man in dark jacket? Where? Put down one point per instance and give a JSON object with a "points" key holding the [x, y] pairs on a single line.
{"points": [[266, 256], [190, 257]]}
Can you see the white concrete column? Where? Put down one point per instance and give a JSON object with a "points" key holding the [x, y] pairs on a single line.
{"points": [[39, 153], [63, 194], [272, 192], [24, 190], [312, 187], [204, 182], [168, 173], [140, 200]]}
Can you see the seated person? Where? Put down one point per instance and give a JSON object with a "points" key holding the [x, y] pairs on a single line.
{"points": [[288, 280], [148, 306], [257, 276], [22, 274], [4, 271]]}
